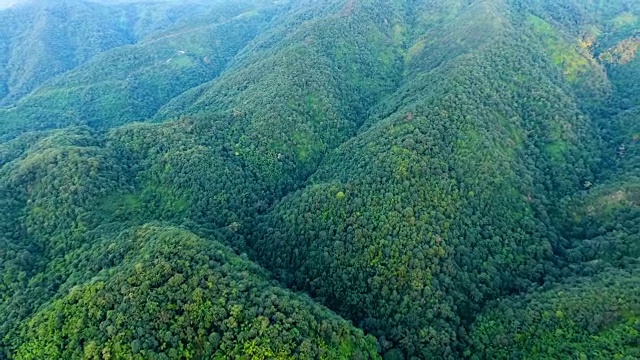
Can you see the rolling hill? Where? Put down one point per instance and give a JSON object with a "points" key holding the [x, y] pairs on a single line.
{"points": [[335, 179]]}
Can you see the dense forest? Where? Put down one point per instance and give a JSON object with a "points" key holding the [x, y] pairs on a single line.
{"points": [[320, 179]]}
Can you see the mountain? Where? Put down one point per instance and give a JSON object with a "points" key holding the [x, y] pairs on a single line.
{"points": [[584, 316], [47, 38], [341, 179], [197, 298]]}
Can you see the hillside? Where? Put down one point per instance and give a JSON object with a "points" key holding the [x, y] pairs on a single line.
{"points": [[43, 39], [198, 301], [336, 179]]}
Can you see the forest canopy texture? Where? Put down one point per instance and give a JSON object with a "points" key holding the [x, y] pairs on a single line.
{"points": [[320, 179]]}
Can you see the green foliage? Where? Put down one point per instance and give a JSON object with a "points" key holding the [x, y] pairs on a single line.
{"points": [[601, 227], [131, 83], [581, 319], [563, 54], [47, 38], [457, 178], [442, 212], [178, 296], [300, 93], [185, 170]]}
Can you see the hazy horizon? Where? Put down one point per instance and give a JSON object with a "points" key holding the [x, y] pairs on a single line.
{"points": [[4, 4]]}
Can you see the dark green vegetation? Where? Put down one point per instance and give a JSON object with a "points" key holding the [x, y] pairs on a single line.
{"points": [[341, 179], [201, 299], [581, 319]]}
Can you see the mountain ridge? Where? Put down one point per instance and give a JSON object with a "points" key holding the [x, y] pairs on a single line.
{"points": [[432, 172]]}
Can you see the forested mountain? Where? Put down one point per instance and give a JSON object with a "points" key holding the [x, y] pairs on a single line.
{"points": [[334, 179], [45, 38]]}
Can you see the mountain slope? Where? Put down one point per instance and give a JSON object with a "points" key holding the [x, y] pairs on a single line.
{"points": [[130, 83], [454, 172], [48, 38], [73, 237], [440, 173], [591, 318], [186, 298]]}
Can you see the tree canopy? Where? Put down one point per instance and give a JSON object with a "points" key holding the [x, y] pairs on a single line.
{"points": [[336, 179]]}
